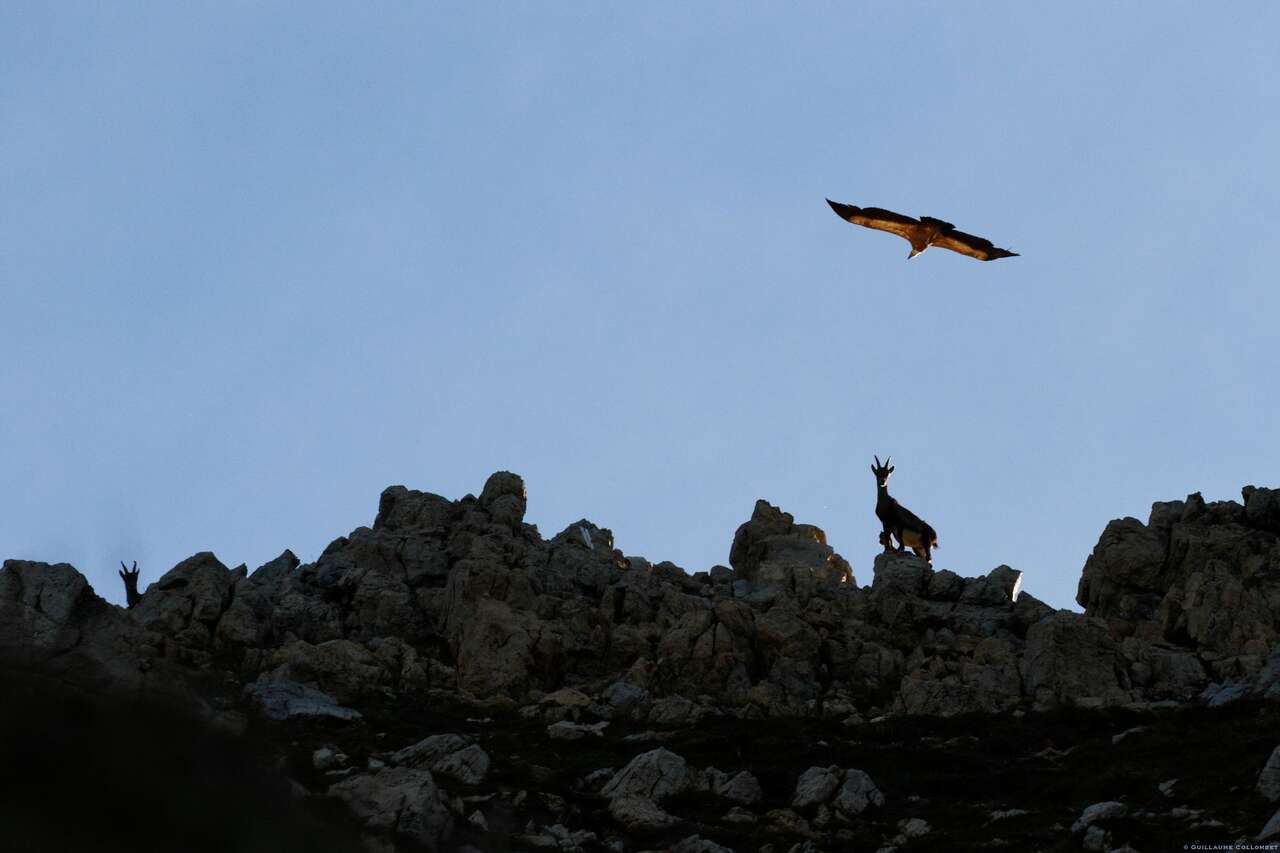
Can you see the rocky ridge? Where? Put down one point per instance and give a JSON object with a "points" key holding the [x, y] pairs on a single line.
{"points": [[453, 613]]}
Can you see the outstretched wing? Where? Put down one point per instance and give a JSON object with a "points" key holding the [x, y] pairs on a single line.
{"points": [[879, 219], [974, 247]]}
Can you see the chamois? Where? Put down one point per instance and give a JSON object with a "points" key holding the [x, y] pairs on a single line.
{"points": [[899, 521], [130, 578]]}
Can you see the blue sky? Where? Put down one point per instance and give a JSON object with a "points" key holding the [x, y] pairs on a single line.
{"points": [[259, 261]]}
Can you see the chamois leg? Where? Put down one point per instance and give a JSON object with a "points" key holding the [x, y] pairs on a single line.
{"points": [[902, 544], [886, 539]]}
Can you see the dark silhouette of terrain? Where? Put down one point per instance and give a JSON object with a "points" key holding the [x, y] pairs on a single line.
{"points": [[83, 773]]}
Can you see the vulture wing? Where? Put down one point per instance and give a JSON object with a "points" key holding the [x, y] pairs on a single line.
{"points": [[879, 219], [974, 247]]}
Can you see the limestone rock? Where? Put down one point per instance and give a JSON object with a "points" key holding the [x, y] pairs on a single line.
{"points": [[742, 788], [187, 601], [287, 700], [1269, 779], [816, 785], [1197, 574], [565, 730], [653, 775], [772, 549], [698, 844], [857, 794], [1099, 811], [1071, 659], [403, 801], [638, 814], [1271, 829], [451, 755]]}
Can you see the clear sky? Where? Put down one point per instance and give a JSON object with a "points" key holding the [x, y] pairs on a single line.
{"points": [[259, 261]]}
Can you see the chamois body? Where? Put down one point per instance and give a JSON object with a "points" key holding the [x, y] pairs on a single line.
{"points": [[899, 522]]}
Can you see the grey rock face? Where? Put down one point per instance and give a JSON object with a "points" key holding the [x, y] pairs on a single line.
{"points": [[565, 730], [286, 700], [1269, 779], [463, 596], [1099, 811], [698, 844], [1072, 659], [1200, 575], [816, 785], [403, 801], [37, 603], [857, 794], [742, 788], [772, 549], [451, 755], [1272, 828], [188, 600], [639, 814], [653, 775]]}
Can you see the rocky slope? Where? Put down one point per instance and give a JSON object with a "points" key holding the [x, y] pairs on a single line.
{"points": [[448, 679]]}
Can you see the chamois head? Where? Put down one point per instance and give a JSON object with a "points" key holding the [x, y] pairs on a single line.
{"points": [[130, 578], [882, 472]]}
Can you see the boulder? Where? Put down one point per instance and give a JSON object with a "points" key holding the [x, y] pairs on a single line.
{"points": [[452, 755], [288, 700], [816, 785], [653, 775], [402, 801], [639, 814], [857, 794], [1269, 779]]}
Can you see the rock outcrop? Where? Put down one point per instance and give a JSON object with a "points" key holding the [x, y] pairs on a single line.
{"points": [[444, 601]]}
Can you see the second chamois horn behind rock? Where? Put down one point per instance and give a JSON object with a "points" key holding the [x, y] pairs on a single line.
{"points": [[899, 522]]}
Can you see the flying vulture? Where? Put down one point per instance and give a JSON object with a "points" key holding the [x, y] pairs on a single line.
{"points": [[921, 233]]}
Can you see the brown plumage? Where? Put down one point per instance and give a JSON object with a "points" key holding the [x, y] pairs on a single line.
{"points": [[921, 233]]}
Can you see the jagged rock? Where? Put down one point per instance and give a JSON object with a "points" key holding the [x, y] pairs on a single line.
{"points": [[857, 794], [698, 844], [246, 623], [328, 758], [1099, 811], [1269, 779], [654, 775], [771, 549], [786, 822], [623, 697], [638, 814], [287, 700], [673, 711], [187, 601], [899, 587], [1196, 574], [565, 730], [567, 697], [1271, 829], [1071, 659], [742, 787], [1262, 508], [447, 754], [346, 669], [401, 800], [1096, 839], [505, 499], [816, 785]]}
